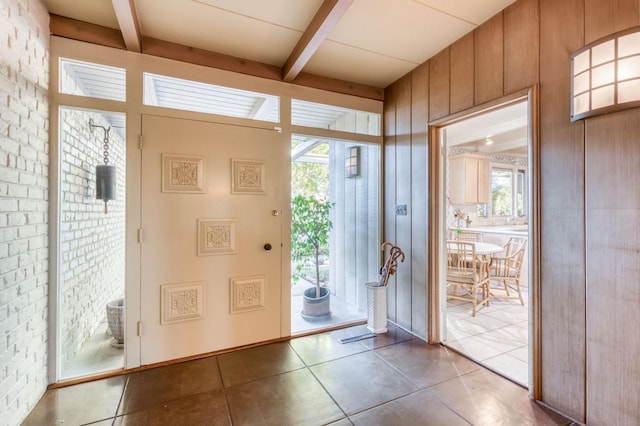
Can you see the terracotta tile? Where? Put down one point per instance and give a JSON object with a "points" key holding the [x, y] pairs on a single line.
{"points": [[257, 363], [426, 364], [203, 409], [419, 409], [394, 335], [291, 398], [484, 398], [325, 347], [362, 381], [79, 404], [158, 385]]}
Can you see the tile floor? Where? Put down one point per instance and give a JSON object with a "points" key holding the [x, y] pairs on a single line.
{"points": [[497, 337], [391, 379], [98, 355]]}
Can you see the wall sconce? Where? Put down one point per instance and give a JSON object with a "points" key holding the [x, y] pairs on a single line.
{"points": [[105, 174], [605, 75], [352, 162]]}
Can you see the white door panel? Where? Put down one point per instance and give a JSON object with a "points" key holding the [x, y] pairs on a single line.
{"points": [[197, 312]]}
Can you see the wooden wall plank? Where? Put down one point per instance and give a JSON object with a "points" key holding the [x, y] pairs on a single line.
{"points": [[403, 196], [419, 220], [613, 299], [613, 232], [562, 302], [439, 85], [389, 233], [488, 60], [521, 45], [606, 17], [462, 84]]}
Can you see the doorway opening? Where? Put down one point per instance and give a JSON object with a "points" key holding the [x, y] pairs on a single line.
{"points": [[336, 250], [486, 201], [91, 253]]}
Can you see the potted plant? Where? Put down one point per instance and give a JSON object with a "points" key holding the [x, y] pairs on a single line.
{"points": [[310, 226]]}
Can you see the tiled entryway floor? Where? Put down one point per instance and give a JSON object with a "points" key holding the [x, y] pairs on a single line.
{"points": [[391, 379], [496, 337]]}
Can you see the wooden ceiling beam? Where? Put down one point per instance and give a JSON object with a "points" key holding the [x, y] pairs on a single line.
{"points": [[325, 19], [84, 31], [193, 55], [91, 33], [128, 22]]}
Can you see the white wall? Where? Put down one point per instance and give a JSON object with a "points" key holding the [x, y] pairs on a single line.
{"points": [[24, 135]]}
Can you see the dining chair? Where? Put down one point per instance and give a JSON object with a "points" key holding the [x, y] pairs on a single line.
{"points": [[504, 270], [468, 272]]}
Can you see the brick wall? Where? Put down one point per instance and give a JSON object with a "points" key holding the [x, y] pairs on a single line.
{"points": [[24, 135], [91, 242]]}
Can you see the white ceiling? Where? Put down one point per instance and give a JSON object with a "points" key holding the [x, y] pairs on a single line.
{"points": [[505, 128], [374, 43]]}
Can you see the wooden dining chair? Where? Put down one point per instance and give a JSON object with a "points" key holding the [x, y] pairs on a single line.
{"points": [[505, 270], [467, 272]]}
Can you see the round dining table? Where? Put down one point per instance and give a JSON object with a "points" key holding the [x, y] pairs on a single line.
{"points": [[484, 249]]}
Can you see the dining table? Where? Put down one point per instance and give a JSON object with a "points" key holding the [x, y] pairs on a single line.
{"points": [[482, 248]]}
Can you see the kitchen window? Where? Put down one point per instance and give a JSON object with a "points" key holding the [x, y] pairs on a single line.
{"points": [[508, 189]]}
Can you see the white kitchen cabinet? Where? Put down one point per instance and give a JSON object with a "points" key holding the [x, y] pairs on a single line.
{"points": [[468, 179]]}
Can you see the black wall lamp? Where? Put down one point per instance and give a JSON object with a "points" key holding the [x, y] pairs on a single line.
{"points": [[105, 174]]}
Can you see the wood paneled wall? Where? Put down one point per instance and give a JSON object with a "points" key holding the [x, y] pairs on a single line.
{"points": [[588, 196]]}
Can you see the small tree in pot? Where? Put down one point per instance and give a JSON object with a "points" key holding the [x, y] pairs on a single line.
{"points": [[310, 226]]}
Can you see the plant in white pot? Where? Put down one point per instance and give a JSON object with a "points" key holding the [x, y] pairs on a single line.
{"points": [[310, 226]]}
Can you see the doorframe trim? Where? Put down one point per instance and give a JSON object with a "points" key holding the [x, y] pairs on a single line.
{"points": [[529, 94]]}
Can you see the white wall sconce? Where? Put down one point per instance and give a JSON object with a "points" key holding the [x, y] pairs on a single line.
{"points": [[605, 75], [352, 162]]}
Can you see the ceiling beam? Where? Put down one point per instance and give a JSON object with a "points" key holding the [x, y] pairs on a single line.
{"points": [[128, 22], [84, 31], [325, 19], [92, 33]]}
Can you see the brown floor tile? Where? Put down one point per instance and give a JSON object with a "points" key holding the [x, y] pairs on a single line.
{"points": [[343, 422], [426, 364], [78, 404], [294, 398], [208, 409], [257, 363], [325, 347], [362, 381], [394, 335], [484, 398], [419, 409], [158, 385]]}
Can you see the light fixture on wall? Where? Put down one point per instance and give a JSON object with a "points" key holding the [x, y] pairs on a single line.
{"points": [[605, 75], [105, 174], [352, 162]]}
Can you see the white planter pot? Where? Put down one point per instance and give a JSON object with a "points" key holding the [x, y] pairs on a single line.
{"points": [[376, 308]]}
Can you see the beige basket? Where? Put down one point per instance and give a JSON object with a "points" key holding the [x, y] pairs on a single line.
{"points": [[115, 319]]}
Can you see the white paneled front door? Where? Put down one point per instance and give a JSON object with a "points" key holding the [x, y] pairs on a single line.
{"points": [[211, 236]]}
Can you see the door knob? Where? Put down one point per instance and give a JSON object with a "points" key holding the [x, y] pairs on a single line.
{"points": [[267, 247]]}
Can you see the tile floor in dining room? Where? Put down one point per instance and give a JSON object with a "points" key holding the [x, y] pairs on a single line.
{"points": [[496, 337], [391, 379]]}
